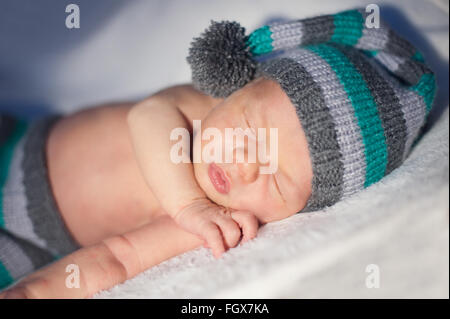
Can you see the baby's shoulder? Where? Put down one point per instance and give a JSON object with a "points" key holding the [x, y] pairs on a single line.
{"points": [[192, 102]]}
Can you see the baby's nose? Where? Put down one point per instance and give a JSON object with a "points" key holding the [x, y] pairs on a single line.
{"points": [[248, 171]]}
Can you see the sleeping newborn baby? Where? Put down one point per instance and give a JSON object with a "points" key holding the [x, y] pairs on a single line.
{"points": [[329, 106]]}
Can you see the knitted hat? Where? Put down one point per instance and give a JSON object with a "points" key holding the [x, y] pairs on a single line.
{"points": [[361, 94]]}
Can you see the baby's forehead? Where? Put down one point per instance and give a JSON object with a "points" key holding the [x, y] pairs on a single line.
{"points": [[263, 87], [263, 93], [267, 96]]}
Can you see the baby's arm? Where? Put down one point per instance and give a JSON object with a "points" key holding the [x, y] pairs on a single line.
{"points": [[174, 185], [108, 263], [112, 261], [151, 122]]}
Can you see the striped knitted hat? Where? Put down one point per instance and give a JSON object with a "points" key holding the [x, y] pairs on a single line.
{"points": [[361, 94]]}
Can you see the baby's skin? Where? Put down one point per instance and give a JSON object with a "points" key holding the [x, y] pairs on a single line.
{"points": [[130, 207]]}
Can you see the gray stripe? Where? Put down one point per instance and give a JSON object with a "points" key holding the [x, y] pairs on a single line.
{"points": [[348, 132], [399, 46], [38, 256], [413, 108], [41, 205], [13, 258], [411, 71], [14, 200], [373, 38], [408, 70], [388, 105], [7, 125], [307, 97], [20, 256], [318, 29], [286, 35]]}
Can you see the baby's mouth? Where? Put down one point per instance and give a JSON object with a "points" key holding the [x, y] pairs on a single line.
{"points": [[218, 179]]}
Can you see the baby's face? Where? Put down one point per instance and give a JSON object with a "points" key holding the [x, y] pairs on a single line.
{"points": [[242, 186]]}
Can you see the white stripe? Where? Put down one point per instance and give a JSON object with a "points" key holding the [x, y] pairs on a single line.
{"points": [[286, 35], [373, 38], [389, 61]]}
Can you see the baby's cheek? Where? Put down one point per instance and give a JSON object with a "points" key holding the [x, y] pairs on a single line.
{"points": [[265, 208]]}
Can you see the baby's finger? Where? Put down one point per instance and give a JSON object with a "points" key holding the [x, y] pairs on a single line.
{"points": [[248, 222], [214, 239], [230, 230], [14, 293]]}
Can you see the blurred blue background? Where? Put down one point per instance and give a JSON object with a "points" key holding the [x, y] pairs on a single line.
{"points": [[128, 49]]}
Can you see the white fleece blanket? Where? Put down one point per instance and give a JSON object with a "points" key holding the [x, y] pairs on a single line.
{"points": [[128, 49], [400, 225]]}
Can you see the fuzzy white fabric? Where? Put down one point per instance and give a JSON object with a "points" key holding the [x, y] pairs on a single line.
{"points": [[128, 49], [399, 224]]}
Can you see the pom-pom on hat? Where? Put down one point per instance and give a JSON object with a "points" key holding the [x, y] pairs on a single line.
{"points": [[361, 94]]}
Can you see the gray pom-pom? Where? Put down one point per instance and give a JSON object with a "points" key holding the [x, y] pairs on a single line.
{"points": [[220, 59]]}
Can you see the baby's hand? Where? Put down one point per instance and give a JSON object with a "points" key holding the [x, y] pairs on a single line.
{"points": [[220, 227]]}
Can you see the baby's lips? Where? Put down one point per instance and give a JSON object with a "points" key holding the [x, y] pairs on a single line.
{"points": [[218, 178]]}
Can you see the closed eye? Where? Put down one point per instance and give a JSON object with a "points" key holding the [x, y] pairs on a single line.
{"points": [[247, 123], [252, 133], [278, 187]]}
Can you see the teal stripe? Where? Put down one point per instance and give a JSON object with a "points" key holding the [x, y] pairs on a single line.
{"points": [[6, 154], [426, 88], [418, 57], [348, 27], [260, 41], [366, 111], [370, 53], [5, 277]]}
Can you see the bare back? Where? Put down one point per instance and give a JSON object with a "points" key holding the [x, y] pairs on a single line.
{"points": [[94, 174]]}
